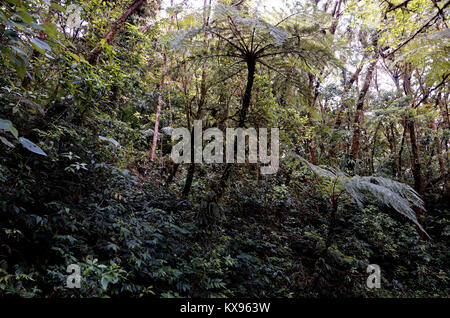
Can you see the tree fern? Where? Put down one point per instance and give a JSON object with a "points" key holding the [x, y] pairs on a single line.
{"points": [[290, 44], [399, 196]]}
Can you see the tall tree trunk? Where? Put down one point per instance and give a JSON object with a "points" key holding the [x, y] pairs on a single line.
{"points": [[335, 14], [158, 110], [415, 154], [417, 172], [201, 104], [409, 124], [95, 54], [374, 146], [191, 169], [443, 103], [437, 140], [359, 111], [343, 105], [402, 146], [251, 68], [172, 174], [396, 169], [314, 93], [415, 160]]}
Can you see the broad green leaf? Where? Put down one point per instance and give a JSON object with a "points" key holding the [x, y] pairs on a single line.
{"points": [[6, 125], [18, 50], [31, 146], [58, 7], [25, 17], [40, 45], [111, 140], [19, 65], [37, 26], [50, 29]]}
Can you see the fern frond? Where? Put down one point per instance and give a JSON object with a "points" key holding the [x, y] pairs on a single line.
{"points": [[399, 196], [387, 192], [404, 190], [184, 38]]}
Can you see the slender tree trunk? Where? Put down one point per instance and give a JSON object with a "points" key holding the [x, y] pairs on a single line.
{"points": [[359, 111], [402, 146], [172, 174], [158, 110], [444, 108], [347, 85], [189, 179], [335, 14], [374, 146], [396, 168], [443, 103], [223, 112], [437, 140], [417, 171], [314, 92], [409, 124], [201, 104], [191, 169], [361, 97], [343, 105], [95, 54], [251, 68], [415, 154]]}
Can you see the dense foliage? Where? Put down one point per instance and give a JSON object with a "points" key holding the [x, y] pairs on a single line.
{"points": [[359, 90]]}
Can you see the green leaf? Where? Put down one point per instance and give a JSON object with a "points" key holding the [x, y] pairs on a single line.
{"points": [[18, 50], [6, 125], [25, 17], [31, 146], [37, 26], [58, 7], [11, 34], [104, 282], [40, 45], [50, 29], [111, 140], [16, 2], [19, 65], [6, 142]]}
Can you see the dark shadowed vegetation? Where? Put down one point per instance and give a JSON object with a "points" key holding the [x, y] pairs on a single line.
{"points": [[90, 92]]}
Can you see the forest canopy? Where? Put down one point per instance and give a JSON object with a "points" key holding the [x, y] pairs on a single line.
{"points": [[352, 97]]}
